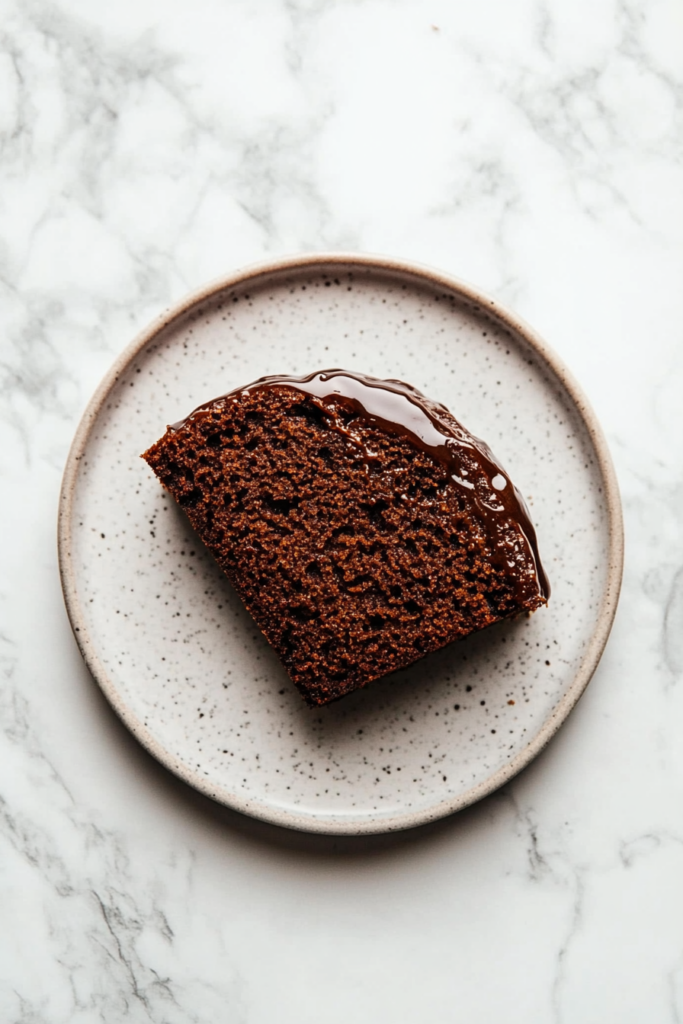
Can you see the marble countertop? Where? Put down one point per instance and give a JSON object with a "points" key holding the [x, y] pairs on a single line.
{"points": [[534, 147]]}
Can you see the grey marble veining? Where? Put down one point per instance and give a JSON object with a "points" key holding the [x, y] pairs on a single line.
{"points": [[531, 147]]}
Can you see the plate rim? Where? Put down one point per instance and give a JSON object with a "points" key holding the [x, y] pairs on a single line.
{"points": [[615, 553]]}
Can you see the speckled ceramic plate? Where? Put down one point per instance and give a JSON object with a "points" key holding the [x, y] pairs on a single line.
{"points": [[180, 659]]}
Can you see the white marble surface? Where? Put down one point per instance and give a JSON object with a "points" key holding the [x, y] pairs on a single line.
{"points": [[535, 148]]}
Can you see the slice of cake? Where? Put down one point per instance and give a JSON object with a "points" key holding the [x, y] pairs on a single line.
{"points": [[360, 523]]}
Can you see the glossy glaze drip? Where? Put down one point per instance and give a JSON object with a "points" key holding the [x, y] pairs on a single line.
{"points": [[402, 410]]}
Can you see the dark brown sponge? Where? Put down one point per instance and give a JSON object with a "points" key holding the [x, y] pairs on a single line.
{"points": [[353, 542]]}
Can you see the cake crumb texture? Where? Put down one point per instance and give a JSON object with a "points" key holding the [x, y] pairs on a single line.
{"points": [[355, 551]]}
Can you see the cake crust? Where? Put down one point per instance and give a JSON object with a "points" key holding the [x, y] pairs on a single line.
{"points": [[360, 523]]}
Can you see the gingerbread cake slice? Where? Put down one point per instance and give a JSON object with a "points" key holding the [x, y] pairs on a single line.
{"points": [[360, 523]]}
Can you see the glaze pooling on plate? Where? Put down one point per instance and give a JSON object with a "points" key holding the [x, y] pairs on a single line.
{"points": [[176, 653]]}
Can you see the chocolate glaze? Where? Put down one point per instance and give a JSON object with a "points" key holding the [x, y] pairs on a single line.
{"points": [[401, 409]]}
